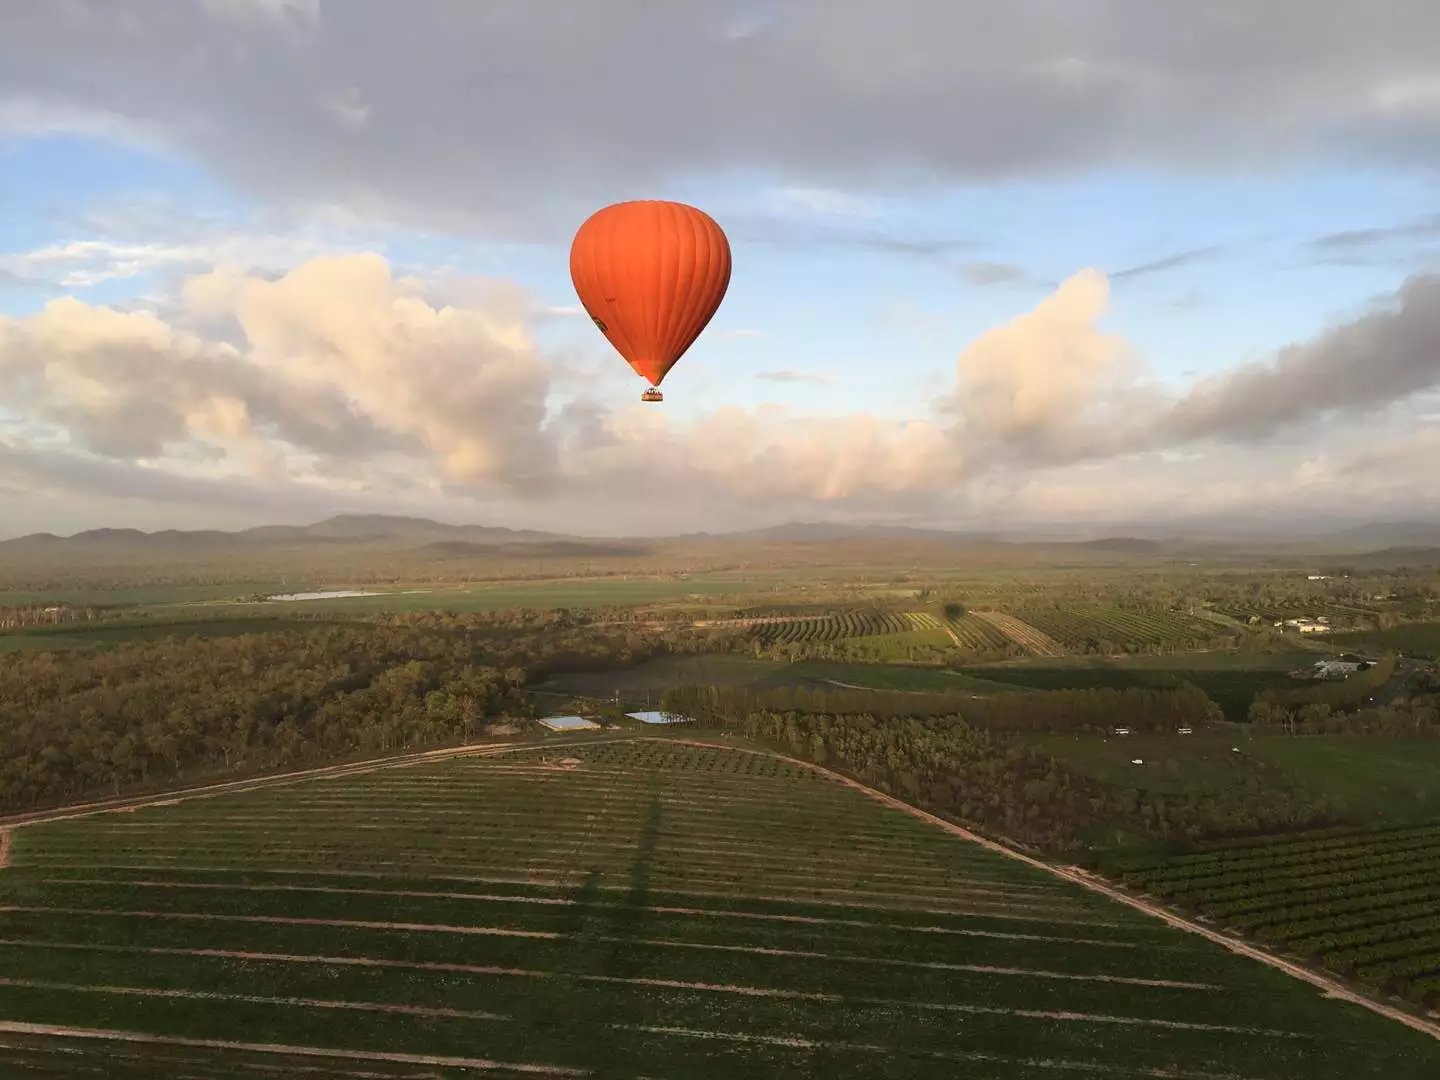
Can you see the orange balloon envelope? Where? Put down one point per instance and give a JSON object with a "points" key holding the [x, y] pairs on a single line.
{"points": [[650, 274]]}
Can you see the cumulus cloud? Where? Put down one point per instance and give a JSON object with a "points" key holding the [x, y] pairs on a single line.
{"points": [[1040, 387], [1051, 388], [339, 362], [487, 106]]}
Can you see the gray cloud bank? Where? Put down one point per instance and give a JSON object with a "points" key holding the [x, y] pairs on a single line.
{"points": [[461, 112]]}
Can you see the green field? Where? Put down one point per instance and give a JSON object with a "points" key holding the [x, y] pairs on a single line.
{"points": [[883, 677], [646, 908], [1073, 626], [1171, 763], [663, 673], [1230, 678], [1414, 639], [1365, 902], [131, 596], [1365, 778], [656, 676], [575, 592]]}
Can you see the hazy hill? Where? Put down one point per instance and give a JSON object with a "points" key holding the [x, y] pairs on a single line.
{"points": [[1382, 535], [346, 529], [393, 540]]}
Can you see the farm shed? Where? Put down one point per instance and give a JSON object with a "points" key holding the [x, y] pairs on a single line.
{"points": [[653, 717], [568, 723]]}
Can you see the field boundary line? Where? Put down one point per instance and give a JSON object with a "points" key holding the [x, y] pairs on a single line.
{"points": [[444, 1013], [1075, 875], [20, 1027], [492, 969], [228, 787]]}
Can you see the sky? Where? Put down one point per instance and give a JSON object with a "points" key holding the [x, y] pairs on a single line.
{"points": [[1081, 264]]}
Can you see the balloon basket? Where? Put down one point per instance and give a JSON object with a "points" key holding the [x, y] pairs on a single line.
{"points": [[652, 395]]}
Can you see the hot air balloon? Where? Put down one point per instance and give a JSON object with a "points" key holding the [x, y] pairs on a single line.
{"points": [[650, 274]]}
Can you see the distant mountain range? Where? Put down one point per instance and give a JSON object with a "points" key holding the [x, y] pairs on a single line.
{"points": [[1415, 542], [344, 529]]}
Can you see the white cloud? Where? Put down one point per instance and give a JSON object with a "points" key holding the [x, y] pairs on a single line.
{"points": [[339, 363], [78, 264], [825, 201], [299, 14], [349, 109], [1418, 94], [1045, 384], [816, 378]]}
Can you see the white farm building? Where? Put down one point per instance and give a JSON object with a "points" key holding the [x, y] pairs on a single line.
{"points": [[568, 723], [1307, 626]]}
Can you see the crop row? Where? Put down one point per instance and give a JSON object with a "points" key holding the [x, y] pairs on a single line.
{"points": [[1281, 850], [1418, 887], [1119, 626], [837, 627], [1257, 899], [975, 634], [667, 757], [1024, 634], [912, 645], [1421, 926], [1285, 864], [1277, 861], [1362, 901], [1233, 888]]}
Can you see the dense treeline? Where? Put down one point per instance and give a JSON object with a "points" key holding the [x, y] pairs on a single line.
{"points": [[1407, 718], [150, 713], [14, 617]]}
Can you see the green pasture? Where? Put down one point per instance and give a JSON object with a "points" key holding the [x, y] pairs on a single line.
{"points": [[1365, 778]]}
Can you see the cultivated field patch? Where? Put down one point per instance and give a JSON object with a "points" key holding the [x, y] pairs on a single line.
{"points": [[1032, 639], [653, 908], [1364, 902]]}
